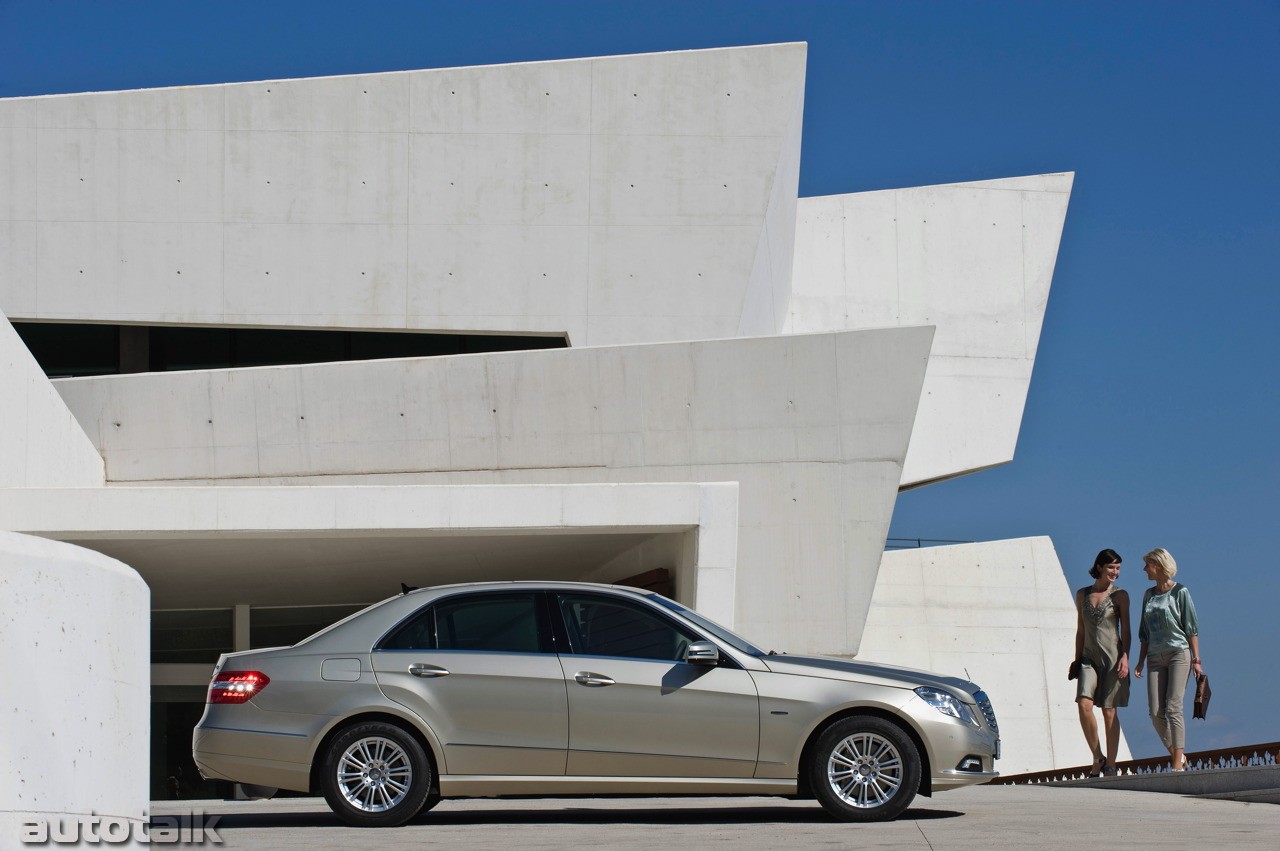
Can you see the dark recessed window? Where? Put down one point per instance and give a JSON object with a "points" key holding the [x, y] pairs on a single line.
{"points": [[190, 348], [191, 636], [70, 349], [285, 626], [63, 350]]}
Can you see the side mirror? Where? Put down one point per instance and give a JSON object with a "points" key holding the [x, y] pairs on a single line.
{"points": [[702, 653]]}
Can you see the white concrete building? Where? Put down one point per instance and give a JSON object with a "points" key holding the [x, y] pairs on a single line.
{"points": [[659, 365]]}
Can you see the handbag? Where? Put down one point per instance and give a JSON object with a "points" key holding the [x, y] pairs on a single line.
{"points": [[1203, 693], [1073, 670]]}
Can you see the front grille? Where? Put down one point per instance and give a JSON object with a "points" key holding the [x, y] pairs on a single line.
{"points": [[984, 703]]}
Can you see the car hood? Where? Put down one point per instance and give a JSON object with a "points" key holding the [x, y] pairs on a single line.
{"points": [[868, 672]]}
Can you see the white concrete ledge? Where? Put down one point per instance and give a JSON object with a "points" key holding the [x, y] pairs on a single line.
{"points": [[71, 513], [359, 541]]}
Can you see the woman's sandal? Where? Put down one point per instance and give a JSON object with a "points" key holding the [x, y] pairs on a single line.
{"points": [[1108, 770], [1095, 770]]}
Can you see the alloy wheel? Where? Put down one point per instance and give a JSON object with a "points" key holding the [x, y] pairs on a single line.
{"points": [[865, 770], [374, 774]]}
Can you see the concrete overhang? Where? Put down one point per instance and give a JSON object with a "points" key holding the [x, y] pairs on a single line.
{"points": [[210, 547]]}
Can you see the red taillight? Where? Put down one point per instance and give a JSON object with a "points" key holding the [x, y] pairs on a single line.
{"points": [[236, 686]]}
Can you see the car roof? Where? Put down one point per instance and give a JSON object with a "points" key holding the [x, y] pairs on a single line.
{"points": [[401, 605], [530, 585]]}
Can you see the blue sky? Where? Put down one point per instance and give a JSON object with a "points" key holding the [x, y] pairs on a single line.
{"points": [[1154, 413]]}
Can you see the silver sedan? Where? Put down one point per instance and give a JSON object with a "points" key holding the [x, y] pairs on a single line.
{"points": [[559, 689]]}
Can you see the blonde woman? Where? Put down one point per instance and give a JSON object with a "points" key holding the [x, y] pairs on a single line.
{"points": [[1170, 636], [1102, 653]]}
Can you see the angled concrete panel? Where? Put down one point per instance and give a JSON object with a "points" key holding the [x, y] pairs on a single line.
{"points": [[41, 444], [974, 259], [635, 199], [813, 427]]}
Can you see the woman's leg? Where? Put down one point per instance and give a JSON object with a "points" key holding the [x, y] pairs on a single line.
{"points": [[1111, 723], [1089, 724], [1157, 688], [1175, 690]]}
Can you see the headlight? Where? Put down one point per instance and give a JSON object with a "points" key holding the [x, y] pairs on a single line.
{"points": [[947, 705]]}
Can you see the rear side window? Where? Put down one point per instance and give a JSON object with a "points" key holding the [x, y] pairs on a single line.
{"points": [[417, 633], [503, 623], [604, 626]]}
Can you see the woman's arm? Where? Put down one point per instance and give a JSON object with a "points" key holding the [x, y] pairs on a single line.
{"points": [[1079, 625], [1191, 629], [1122, 611], [1197, 667], [1142, 636]]}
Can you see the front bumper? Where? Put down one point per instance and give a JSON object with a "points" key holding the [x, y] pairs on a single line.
{"points": [[951, 743], [944, 781]]}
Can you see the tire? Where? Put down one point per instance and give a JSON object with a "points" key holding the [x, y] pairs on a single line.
{"points": [[864, 769], [432, 799], [375, 774]]}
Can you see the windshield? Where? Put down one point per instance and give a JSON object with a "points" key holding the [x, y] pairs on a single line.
{"points": [[737, 642]]}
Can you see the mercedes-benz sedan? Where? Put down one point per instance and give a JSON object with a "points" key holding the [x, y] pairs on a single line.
{"points": [[561, 689]]}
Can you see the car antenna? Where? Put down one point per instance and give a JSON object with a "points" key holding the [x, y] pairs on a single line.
{"points": [[405, 589]]}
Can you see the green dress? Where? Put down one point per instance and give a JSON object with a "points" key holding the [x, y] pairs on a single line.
{"points": [[1098, 679]]}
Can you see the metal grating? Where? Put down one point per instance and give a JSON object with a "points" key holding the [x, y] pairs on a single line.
{"points": [[988, 712], [1238, 757]]}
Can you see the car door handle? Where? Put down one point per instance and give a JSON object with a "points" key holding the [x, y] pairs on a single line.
{"points": [[587, 678], [422, 669]]}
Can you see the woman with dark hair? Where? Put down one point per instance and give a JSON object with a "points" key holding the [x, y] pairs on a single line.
{"points": [[1102, 657]]}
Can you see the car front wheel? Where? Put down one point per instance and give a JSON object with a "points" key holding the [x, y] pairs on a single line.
{"points": [[864, 769], [376, 775]]}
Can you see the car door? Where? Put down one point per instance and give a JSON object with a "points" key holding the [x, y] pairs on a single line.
{"points": [[636, 709], [481, 670]]}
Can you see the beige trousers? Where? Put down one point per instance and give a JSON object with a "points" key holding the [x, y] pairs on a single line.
{"points": [[1167, 673]]}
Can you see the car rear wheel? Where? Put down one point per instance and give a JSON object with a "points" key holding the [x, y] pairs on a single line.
{"points": [[864, 769], [376, 775]]}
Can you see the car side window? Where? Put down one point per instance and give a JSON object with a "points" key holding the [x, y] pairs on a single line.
{"points": [[504, 623], [606, 626], [417, 633]]}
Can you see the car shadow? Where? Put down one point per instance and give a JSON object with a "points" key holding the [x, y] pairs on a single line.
{"points": [[682, 815], [578, 815]]}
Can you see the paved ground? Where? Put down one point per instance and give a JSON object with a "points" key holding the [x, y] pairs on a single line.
{"points": [[983, 817]]}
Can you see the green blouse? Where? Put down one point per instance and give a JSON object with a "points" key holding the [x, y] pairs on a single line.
{"points": [[1168, 619]]}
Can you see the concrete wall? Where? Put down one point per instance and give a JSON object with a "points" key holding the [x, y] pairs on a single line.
{"points": [[768, 295], [74, 655], [618, 199], [813, 428], [973, 259], [1001, 613], [41, 444]]}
